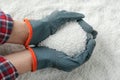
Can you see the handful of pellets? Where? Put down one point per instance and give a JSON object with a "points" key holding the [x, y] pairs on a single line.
{"points": [[70, 39]]}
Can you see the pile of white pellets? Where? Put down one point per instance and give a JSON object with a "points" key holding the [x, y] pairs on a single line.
{"points": [[70, 39]]}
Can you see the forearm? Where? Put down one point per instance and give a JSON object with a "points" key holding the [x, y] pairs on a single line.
{"points": [[19, 33], [21, 60]]}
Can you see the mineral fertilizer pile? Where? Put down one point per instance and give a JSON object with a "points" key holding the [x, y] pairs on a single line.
{"points": [[70, 39]]}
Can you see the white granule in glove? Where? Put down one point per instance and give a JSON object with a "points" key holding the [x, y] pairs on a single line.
{"points": [[70, 39]]}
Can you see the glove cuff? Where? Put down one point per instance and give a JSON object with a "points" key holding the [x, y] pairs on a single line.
{"points": [[34, 60], [30, 32]]}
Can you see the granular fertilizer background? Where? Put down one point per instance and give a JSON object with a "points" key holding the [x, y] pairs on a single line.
{"points": [[103, 15], [70, 39]]}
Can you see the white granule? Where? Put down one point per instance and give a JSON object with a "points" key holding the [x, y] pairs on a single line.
{"points": [[70, 39]]}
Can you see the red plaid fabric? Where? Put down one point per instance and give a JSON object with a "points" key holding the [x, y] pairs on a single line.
{"points": [[6, 24], [7, 70]]}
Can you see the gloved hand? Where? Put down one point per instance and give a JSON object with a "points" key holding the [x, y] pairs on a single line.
{"points": [[46, 57], [88, 28], [41, 29]]}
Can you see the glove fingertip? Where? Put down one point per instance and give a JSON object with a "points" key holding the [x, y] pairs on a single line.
{"points": [[94, 33], [80, 15]]}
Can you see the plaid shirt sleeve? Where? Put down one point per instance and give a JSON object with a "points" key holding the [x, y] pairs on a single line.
{"points": [[7, 70], [6, 24]]}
